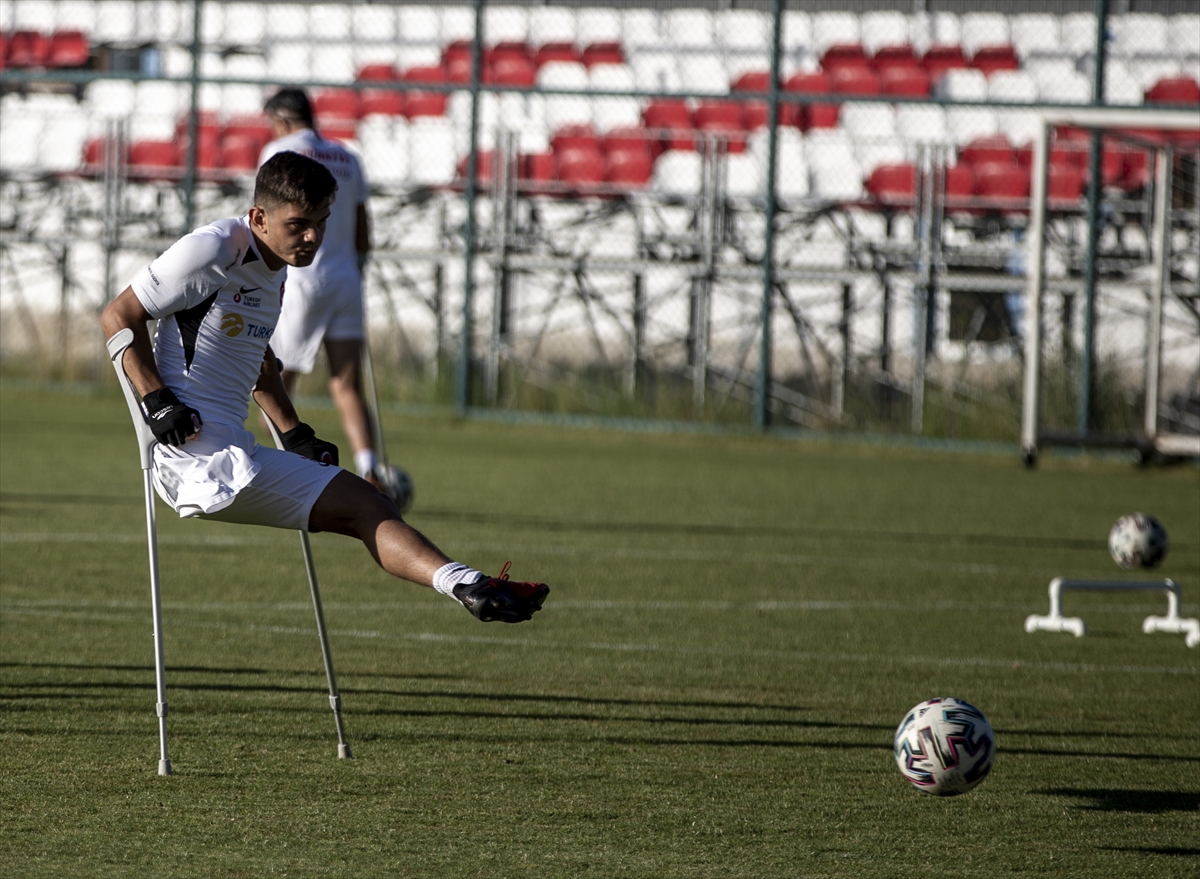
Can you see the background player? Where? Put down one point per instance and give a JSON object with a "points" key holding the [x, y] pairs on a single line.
{"points": [[216, 294], [325, 298]]}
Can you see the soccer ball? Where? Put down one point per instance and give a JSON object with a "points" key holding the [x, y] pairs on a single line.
{"points": [[1137, 541], [944, 746], [397, 484]]}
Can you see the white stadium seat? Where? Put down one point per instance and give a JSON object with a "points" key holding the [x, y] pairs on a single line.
{"points": [[833, 169], [1148, 71], [610, 113], [1071, 87], [287, 21], [63, 138], [1121, 85], [552, 24], [110, 97], [869, 120], [563, 75], [981, 29], [385, 148], [871, 154], [73, 15], [1036, 32], [935, 29], [20, 137], [883, 28], [744, 175], [329, 21], [690, 28], [333, 62], [117, 21], [158, 98], [678, 172], [212, 24], [1012, 86], [833, 29], [417, 55], [704, 72], [420, 24], [505, 24], [374, 22], [921, 124], [1021, 126], [797, 31], [1138, 33], [639, 29], [457, 23], [656, 70], [791, 173], [289, 62], [965, 84], [1079, 32], [29, 16], [241, 100], [1185, 34], [964, 124], [743, 29], [432, 156], [598, 26]]}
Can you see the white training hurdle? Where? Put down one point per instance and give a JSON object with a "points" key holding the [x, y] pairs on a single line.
{"points": [[1172, 623]]}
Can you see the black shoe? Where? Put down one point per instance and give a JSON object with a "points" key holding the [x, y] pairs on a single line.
{"points": [[494, 598]]}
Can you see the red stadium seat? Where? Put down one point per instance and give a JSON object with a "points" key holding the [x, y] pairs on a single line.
{"points": [[484, 165], [580, 165], [208, 149], [252, 127], [672, 118], [28, 49], [457, 60], [3, 50], [887, 57], [603, 53], [854, 81], [907, 82], [338, 127], [629, 139], [939, 59], [510, 49], [630, 167], [1135, 170], [811, 115], [989, 59], [893, 184], [722, 118], [336, 102], [512, 70], [1174, 90], [206, 121], [755, 114], [994, 148], [538, 166], [1062, 152], [376, 73], [959, 186], [844, 55], [68, 49], [575, 137], [557, 52], [425, 103], [155, 159], [386, 102], [1001, 182], [1064, 183], [239, 153]]}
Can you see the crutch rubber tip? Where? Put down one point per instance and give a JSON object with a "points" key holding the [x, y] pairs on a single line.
{"points": [[344, 752], [164, 767]]}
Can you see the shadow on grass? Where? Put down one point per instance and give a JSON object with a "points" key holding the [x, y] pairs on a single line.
{"points": [[1120, 800], [1157, 850]]}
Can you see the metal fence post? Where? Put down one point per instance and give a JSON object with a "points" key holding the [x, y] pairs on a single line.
{"points": [[1087, 352], [762, 413], [189, 174], [462, 394]]}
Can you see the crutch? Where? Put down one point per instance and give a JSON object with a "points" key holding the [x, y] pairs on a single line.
{"points": [[335, 697], [373, 415], [117, 347]]}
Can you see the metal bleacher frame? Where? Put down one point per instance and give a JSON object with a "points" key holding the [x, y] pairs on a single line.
{"points": [[498, 225]]}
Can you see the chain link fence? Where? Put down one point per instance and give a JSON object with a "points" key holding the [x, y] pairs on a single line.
{"points": [[644, 193]]}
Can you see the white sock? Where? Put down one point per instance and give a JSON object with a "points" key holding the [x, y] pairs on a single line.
{"points": [[364, 462], [450, 575]]}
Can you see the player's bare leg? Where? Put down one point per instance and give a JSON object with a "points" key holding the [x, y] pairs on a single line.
{"points": [[350, 506], [345, 388]]}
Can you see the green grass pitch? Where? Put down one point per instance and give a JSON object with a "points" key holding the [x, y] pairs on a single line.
{"points": [[736, 626]]}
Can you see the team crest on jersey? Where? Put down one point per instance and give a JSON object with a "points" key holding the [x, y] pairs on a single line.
{"points": [[233, 324]]}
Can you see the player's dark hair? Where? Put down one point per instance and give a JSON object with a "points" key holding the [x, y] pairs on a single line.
{"points": [[291, 104], [290, 178]]}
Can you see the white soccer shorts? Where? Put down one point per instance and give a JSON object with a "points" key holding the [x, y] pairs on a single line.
{"points": [[333, 312], [282, 493]]}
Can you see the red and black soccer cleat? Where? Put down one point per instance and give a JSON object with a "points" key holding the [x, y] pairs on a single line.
{"points": [[498, 598]]}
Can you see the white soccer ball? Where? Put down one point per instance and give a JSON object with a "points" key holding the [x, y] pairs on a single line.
{"points": [[944, 746], [1137, 541], [397, 484]]}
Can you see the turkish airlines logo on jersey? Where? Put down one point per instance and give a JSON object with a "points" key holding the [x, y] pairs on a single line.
{"points": [[233, 324]]}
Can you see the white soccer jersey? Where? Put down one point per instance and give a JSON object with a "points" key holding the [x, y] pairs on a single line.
{"points": [[217, 304], [337, 258]]}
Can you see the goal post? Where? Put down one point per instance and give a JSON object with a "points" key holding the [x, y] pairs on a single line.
{"points": [[1155, 131]]}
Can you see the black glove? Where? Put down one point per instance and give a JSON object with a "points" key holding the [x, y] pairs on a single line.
{"points": [[301, 440], [171, 421]]}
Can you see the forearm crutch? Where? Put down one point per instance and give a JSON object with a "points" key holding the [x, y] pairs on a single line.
{"points": [[335, 697], [117, 346]]}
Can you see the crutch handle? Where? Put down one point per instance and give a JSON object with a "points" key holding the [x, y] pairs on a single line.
{"points": [[117, 346]]}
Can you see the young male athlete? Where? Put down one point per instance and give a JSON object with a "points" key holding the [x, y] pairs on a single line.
{"points": [[216, 295], [325, 297]]}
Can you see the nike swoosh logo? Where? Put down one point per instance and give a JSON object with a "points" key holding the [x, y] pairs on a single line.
{"points": [[246, 290]]}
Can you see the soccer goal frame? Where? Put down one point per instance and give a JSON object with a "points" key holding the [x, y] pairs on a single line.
{"points": [[1160, 241]]}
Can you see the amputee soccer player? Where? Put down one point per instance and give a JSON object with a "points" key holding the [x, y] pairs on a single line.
{"points": [[325, 298], [216, 294]]}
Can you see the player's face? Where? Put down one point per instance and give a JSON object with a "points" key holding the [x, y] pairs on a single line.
{"points": [[293, 234]]}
